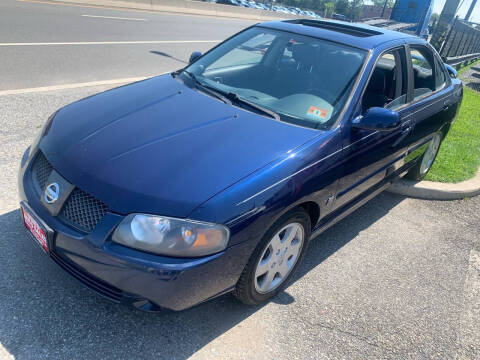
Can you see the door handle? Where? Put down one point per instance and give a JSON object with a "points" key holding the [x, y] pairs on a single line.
{"points": [[402, 136], [446, 105]]}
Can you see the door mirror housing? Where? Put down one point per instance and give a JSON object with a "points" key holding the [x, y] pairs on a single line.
{"points": [[379, 119], [195, 56]]}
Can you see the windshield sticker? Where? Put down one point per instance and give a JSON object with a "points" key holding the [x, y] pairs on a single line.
{"points": [[317, 113]]}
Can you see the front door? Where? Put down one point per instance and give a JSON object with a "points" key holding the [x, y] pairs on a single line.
{"points": [[370, 155]]}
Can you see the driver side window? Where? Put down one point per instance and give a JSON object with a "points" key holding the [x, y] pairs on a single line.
{"points": [[388, 83]]}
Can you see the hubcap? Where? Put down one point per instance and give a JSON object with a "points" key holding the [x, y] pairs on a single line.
{"points": [[279, 257], [430, 154]]}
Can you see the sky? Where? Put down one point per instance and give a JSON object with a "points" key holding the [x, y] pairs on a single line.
{"points": [[465, 4]]}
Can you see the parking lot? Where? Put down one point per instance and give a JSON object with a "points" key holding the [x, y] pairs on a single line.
{"points": [[399, 278]]}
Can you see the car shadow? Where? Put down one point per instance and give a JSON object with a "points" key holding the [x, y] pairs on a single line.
{"points": [[161, 53], [44, 313]]}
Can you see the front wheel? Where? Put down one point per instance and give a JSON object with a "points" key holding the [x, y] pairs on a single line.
{"points": [[275, 259], [424, 164]]}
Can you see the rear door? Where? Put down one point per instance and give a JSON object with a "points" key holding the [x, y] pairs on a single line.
{"points": [[433, 104]]}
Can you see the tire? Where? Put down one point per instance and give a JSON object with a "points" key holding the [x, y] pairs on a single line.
{"points": [[425, 162], [276, 256]]}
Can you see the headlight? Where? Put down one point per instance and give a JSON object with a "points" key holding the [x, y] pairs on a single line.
{"points": [[169, 236]]}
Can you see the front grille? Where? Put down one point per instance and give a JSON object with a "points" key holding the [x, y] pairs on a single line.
{"points": [[41, 171], [82, 210], [93, 283]]}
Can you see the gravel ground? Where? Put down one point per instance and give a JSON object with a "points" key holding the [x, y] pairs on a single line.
{"points": [[471, 77], [399, 278]]}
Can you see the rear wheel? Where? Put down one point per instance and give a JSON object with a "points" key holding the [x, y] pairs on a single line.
{"points": [[424, 164], [275, 259]]}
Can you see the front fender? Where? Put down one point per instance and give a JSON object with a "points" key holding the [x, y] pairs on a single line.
{"points": [[251, 206]]}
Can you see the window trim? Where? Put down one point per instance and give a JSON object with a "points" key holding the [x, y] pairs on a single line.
{"points": [[439, 70], [410, 76]]}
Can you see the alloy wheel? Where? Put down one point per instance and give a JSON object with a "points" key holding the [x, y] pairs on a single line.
{"points": [[279, 257], [429, 155]]}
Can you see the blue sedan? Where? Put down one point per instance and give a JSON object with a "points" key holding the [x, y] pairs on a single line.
{"points": [[214, 178]]}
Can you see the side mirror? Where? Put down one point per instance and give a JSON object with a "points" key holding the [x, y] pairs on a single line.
{"points": [[195, 56], [451, 70], [379, 119]]}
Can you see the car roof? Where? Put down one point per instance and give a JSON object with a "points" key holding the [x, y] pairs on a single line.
{"points": [[354, 34]]}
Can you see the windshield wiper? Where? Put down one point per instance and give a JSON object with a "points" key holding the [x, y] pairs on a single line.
{"points": [[176, 72], [228, 97], [235, 98], [207, 89]]}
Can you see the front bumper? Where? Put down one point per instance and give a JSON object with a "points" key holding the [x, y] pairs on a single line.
{"points": [[146, 281]]}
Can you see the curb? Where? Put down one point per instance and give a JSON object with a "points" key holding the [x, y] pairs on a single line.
{"points": [[437, 191]]}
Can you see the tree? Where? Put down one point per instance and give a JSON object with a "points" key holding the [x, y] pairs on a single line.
{"points": [[342, 7], [355, 10], [329, 7], [433, 22]]}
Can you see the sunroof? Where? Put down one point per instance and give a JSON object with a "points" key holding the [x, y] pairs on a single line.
{"points": [[338, 27]]}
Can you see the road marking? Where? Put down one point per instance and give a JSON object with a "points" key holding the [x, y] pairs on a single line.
{"points": [[111, 42], [114, 17], [128, 9], [72, 86]]}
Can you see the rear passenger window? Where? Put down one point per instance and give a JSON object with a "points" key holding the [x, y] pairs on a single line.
{"points": [[423, 79], [440, 78]]}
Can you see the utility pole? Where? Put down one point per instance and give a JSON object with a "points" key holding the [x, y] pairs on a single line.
{"points": [[470, 10], [444, 23]]}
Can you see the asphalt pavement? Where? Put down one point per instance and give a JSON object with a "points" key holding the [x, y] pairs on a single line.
{"points": [[397, 279], [39, 42]]}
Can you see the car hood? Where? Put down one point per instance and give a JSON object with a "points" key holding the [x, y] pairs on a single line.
{"points": [[158, 146]]}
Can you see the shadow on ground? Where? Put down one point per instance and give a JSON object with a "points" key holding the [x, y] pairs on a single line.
{"points": [[44, 313], [475, 75], [474, 86]]}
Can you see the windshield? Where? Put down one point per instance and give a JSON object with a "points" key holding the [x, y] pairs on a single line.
{"points": [[306, 81]]}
